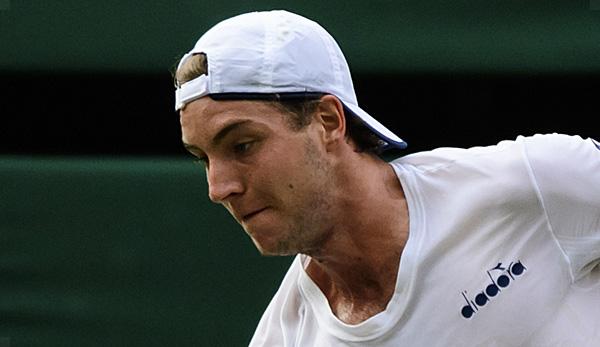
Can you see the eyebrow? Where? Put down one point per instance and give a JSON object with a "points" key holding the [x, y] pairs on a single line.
{"points": [[221, 134]]}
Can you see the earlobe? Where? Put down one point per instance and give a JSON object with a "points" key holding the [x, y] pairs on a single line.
{"points": [[330, 114]]}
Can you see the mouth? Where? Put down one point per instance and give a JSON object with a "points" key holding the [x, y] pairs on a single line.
{"points": [[251, 215]]}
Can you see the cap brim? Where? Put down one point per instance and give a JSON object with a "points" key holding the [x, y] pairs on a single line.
{"points": [[392, 140]]}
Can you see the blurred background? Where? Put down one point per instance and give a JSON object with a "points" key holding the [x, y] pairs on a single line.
{"points": [[106, 234]]}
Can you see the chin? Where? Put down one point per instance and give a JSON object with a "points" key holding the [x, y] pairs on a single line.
{"points": [[276, 248]]}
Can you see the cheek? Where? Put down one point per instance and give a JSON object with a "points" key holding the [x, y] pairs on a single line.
{"points": [[291, 169], [279, 177]]}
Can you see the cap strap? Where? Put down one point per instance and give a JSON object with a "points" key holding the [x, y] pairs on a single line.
{"points": [[191, 90]]}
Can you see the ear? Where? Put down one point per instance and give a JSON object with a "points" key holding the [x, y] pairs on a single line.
{"points": [[330, 116]]}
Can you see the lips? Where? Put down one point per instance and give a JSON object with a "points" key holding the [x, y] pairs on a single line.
{"points": [[250, 215]]}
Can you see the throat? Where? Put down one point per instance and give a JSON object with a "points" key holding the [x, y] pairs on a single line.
{"points": [[355, 312], [356, 298]]}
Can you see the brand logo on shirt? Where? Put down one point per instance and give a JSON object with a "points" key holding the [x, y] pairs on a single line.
{"points": [[501, 277]]}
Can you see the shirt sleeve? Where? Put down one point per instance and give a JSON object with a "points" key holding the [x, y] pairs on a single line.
{"points": [[566, 171]]}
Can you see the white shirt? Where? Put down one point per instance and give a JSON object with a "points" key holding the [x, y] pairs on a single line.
{"points": [[503, 248]]}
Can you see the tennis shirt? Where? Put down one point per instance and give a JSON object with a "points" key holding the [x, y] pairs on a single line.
{"points": [[503, 250]]}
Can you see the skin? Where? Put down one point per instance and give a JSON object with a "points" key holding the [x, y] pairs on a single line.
{"points": [[308, 191]]}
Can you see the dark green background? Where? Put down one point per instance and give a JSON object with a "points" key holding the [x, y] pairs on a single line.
{"points": [[106, 235], [127, 252], [376, 35]]}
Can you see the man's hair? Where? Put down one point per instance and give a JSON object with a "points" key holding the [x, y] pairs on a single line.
{"points": [[300, 110]]}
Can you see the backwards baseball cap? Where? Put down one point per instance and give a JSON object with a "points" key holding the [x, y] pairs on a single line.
{"points": [[275, 53]]}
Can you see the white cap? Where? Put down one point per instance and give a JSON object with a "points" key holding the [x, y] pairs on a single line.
{"points": [[275, 52]]}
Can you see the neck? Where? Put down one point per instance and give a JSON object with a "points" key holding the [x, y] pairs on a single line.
{"points": [[357, 265]]}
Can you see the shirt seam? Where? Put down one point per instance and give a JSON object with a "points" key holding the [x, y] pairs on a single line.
{"points": [[540, 197]]}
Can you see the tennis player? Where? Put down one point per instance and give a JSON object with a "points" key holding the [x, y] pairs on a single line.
{"points": [[487, 246]]}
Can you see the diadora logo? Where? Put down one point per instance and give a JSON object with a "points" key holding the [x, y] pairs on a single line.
{"points": [[501, 277]]}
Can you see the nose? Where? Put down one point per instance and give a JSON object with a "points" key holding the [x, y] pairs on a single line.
{"points": [[223, 182]]}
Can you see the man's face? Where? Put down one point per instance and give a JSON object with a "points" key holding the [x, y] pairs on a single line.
{"points": [[272, 179]]}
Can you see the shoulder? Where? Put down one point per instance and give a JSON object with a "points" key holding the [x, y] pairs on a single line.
{"points": [[566, 170], [449, 159], [563, 166], [560, 152], [508, 171], [544, 149]]}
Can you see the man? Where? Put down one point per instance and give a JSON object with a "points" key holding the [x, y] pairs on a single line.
{"points": [[488, 246]]}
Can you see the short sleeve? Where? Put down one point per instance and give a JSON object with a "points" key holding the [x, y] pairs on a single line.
{"points": [[566, 171]]}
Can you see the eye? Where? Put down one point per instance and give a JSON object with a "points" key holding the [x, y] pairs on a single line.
{"points": [[242, 147]]}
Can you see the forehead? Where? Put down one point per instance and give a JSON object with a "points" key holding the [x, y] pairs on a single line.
{"points": [[202, 118]]}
